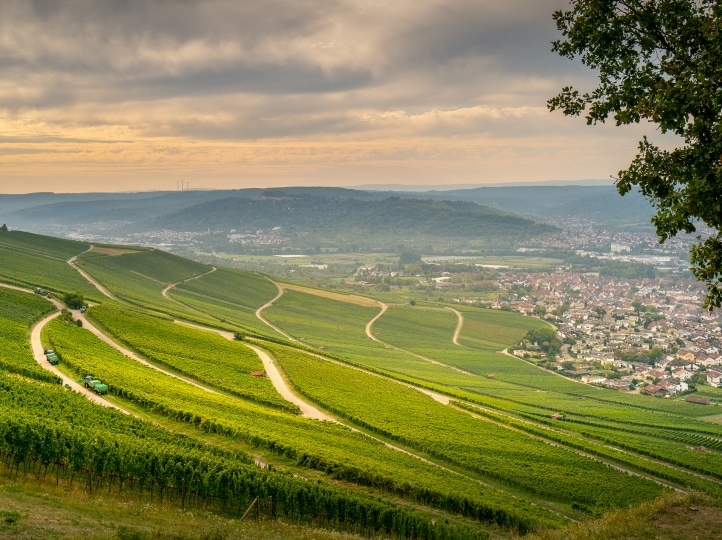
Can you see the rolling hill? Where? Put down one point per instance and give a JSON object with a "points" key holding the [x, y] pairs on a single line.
{"points": [[417, 439]]}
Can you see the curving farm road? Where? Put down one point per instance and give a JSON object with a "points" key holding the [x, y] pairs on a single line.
{"points": [[259, 311], [39, 352], [164, 292], [134, 356], [384, 307], [459, 325], [307, 410], [88, 278]]}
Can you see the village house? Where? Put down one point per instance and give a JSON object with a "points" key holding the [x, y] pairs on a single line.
{"points": [[654, 390]]}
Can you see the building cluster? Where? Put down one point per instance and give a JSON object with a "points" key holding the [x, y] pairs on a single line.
{"points": [[260, 238], [649, 335], [582, 235]]}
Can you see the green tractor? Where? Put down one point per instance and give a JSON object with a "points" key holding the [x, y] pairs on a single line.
{"points": [[52, 357], [95, 385]]}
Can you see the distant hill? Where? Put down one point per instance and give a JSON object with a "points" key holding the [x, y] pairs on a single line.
{"points": [[313, 214], [311, 218], [306, 217], [35, 211], [600, 204]]}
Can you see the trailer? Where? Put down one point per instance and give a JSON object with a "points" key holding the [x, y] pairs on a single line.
{"points": [[52, 358], [95, 385]]}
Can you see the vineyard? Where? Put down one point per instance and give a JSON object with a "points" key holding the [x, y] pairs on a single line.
{"points": [[327, 447], [205, 356], [409, 416], [18, 311], [425, 437]]}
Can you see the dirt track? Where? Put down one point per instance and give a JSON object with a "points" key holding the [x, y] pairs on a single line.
{"points": [[39, 353], [87, 277], [459, 325], [259, 311], [384, 307]]}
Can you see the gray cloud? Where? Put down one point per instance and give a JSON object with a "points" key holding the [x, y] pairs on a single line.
{"points": [[282, 68]]}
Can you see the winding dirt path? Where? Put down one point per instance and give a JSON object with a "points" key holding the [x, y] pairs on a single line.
{"points": [[384, 307], [274, 375], [164, 292], [307, 410], [133, 355], [459, 325], [88, 325], [88, 277], [36, 345], [259, 311], [39, 355]]}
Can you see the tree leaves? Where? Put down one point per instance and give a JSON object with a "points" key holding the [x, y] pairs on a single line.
{"points": [[658, 61]]}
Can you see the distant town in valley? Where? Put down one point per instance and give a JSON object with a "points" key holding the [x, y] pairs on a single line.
{"points": [[626, 310]]}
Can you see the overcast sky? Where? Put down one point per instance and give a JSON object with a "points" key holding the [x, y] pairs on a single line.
{"points": [[131, 95]]}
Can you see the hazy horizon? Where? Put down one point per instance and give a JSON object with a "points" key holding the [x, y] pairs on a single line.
{"points": [[364, 187]]}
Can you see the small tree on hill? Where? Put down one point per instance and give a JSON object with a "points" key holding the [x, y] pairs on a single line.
{"points": [[74, 300]]}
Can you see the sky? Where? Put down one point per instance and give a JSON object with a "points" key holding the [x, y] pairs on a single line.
{"points": [[125, 95]]}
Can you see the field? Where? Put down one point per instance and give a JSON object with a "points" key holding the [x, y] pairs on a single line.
{"points": [[31, 260], [432, 431], [232, 296]]}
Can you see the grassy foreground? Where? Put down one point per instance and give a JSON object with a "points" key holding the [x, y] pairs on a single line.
{"points": [[674, 516], [32, 509]]}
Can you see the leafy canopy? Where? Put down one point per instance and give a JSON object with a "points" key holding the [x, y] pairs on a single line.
{"points": [[659, 61]]}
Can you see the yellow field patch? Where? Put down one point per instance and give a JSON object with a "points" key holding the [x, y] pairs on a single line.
{"points": [[349, 298]]}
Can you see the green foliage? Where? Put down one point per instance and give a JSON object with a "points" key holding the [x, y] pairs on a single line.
{"points": [[9, 516], [139, 277], [658, 61], [45, 246], [30, 269], [313, 222], [409, 258], [104, 448], [74, 300], [237, 289], [545, 338]]}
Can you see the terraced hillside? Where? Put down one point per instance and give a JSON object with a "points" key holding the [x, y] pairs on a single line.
{"points": [[429, 430]]}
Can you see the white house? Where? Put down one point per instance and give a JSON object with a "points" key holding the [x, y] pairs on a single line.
{"points": [[714, 378]]}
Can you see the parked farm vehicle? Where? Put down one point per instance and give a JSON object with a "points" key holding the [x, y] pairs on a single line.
{"points": [[43, 292], [95, 385], [52, 358]]}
